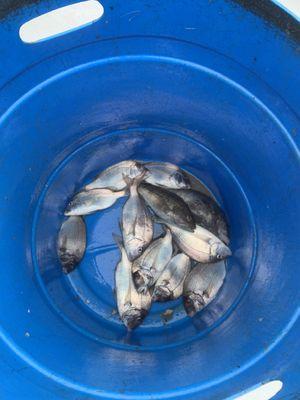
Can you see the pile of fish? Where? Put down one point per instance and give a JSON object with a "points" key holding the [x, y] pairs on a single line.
{"points": [[183, 261]]}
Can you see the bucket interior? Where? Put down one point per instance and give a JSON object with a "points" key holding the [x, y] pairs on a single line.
{"points": [[70, 127]]}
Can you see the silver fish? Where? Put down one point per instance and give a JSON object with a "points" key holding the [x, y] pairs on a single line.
{"points": [[206, 212], [132, 306], [202, 285], [148, 267], [167, 206], [90, 201], [166, 175], [200, 245], [113, 177], [71, 243], [169, 286], [137, 224]]}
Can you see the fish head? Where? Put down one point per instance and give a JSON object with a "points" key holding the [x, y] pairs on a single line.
{"points": [[68, 266], [161, 293], [179, 180], [135, 248], [69, 261], [193, 302], [220, 251], [133, 318], [143, 280]]}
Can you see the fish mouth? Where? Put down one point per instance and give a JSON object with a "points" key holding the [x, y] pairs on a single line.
{"points": [[69, 262], [193, 303], [161, 294], [133, 318], [142, 280], [223, 252]]}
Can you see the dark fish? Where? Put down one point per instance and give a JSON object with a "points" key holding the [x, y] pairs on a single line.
{"points": [[206, 212], [202, 285], [71, 243], [166, 175], [167, 206]]}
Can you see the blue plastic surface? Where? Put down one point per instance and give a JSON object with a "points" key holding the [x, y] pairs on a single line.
{"points": [[204, 84]]}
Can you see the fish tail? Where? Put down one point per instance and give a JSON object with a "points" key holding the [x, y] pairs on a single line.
{"points": [[141, 177], [129, 181], [134, 182]]}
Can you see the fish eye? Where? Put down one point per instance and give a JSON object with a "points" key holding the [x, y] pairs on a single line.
{"points": [[219, 256], [140, 250]]}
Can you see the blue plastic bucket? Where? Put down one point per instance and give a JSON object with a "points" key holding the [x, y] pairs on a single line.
{"points": [[212, 86]]}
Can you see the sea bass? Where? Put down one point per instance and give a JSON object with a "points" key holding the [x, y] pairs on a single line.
{"points": [[206, 212], [137, 224], [147, 268], [166, 175], [113, 177], [89, 201], [167, 206], [132, 306], [71, 243], [169, 285], [202, 285]]}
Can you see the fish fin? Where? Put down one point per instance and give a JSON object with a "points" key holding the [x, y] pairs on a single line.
{"points": [[157, 219], [135, 181], [176, 250]]}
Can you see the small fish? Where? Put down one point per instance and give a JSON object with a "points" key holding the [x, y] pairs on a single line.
{"points": [[89, 201], [113, 177], [137, 224], [132, 306], [148, 267], [167, 175], [167, 206], [200, 245], [71, 243], [202, 285], [169, 285], [206, 212]]}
